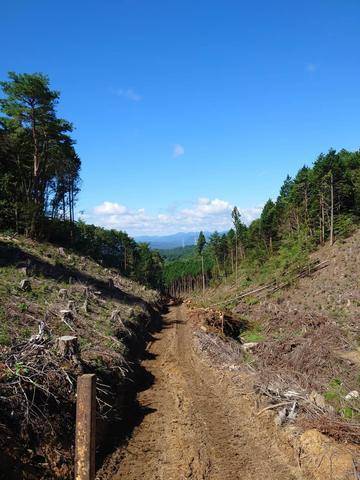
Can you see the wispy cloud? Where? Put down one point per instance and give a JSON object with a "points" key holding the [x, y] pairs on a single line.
{"points": [[129, 94], [203, 214], [178, 150]]}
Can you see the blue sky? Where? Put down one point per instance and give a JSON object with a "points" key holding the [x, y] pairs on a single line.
{"points": [[183, 109]]}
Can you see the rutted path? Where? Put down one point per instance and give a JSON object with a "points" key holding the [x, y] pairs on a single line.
{"points": [[198, 426]]}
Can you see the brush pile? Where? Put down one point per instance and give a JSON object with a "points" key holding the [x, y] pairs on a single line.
{"points": [[219, 350], [217, 321]]}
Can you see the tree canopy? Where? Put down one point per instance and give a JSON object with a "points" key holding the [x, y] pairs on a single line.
{"points": [[321, 203], [40, 181]]}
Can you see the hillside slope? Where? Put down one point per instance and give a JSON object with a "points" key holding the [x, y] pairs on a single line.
{"points": [[48, 296], [303, 336]]}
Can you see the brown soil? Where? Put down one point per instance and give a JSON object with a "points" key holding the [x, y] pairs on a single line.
{"points": [[198, 425]]}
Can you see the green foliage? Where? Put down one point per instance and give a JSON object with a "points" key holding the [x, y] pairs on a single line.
{"points": [[185, 268], [20, 369], [319, 204], [201, 242], [345, 224], [335, 394], [177, 253], [4, 335], [335, 390], [347, 412], [39, 168], [111, 248], [39, 182], [253, 334], [23, 307]]}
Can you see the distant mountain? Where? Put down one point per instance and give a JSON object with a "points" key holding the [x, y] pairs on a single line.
{"points": [[166, 242]]}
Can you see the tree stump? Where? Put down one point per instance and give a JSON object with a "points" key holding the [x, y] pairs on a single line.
{"points": [[68, 346], [25, 270], [25, 285], [85, 305], [115, 316], [71, 305], [63, 293]]}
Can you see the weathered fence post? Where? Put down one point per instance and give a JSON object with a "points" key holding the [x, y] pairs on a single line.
{"points": [[85, 428]]}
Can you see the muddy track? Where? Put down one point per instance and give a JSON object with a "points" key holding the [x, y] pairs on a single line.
{"points": [[197, 425]]}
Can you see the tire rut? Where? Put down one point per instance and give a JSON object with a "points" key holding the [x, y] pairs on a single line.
{"points": [[198, 427]]}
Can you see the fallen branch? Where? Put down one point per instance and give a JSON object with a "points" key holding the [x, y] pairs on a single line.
{"points": [[281, 404], [272, 287]]}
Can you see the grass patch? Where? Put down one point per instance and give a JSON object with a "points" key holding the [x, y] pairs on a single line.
{"points": [[254, 334], [5, 339]]}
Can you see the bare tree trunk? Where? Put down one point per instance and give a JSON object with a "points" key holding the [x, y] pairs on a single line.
{"points": [[203, 273], [322, 220], [236, 258], [36, 148], [332, 210], [306, 212]]}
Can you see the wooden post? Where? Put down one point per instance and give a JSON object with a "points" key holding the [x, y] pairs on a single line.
{"points": [[85, 428]]}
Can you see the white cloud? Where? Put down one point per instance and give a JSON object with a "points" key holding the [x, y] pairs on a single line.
{"points": [[205, 207], [128, 93], [178, 150], [109, 208], [204, 214]]}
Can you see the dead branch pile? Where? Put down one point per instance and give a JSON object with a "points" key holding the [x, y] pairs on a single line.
{"points": [[34, 381], [290, 403], [219, 350], [307, 360], [333, 427]]}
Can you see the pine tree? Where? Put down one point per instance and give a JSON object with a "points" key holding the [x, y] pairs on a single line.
{"points": [[201, 242]]}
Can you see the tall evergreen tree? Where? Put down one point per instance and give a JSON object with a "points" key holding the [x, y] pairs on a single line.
{"points": [[201, 242], [39, 148]]}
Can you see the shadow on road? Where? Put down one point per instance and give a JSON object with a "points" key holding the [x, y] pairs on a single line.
{"points": [[141, 380]]}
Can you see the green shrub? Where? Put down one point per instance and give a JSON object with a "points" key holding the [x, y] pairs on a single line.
{"points": [[253, 334]]}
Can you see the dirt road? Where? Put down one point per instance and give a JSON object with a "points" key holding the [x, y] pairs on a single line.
{"points": [[197, 426]]}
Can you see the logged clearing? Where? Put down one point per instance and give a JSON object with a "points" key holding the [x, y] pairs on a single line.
{"points": [[196, 424]]}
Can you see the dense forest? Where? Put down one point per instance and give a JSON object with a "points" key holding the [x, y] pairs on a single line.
{"points": [[40, 181], [320, 204]]}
